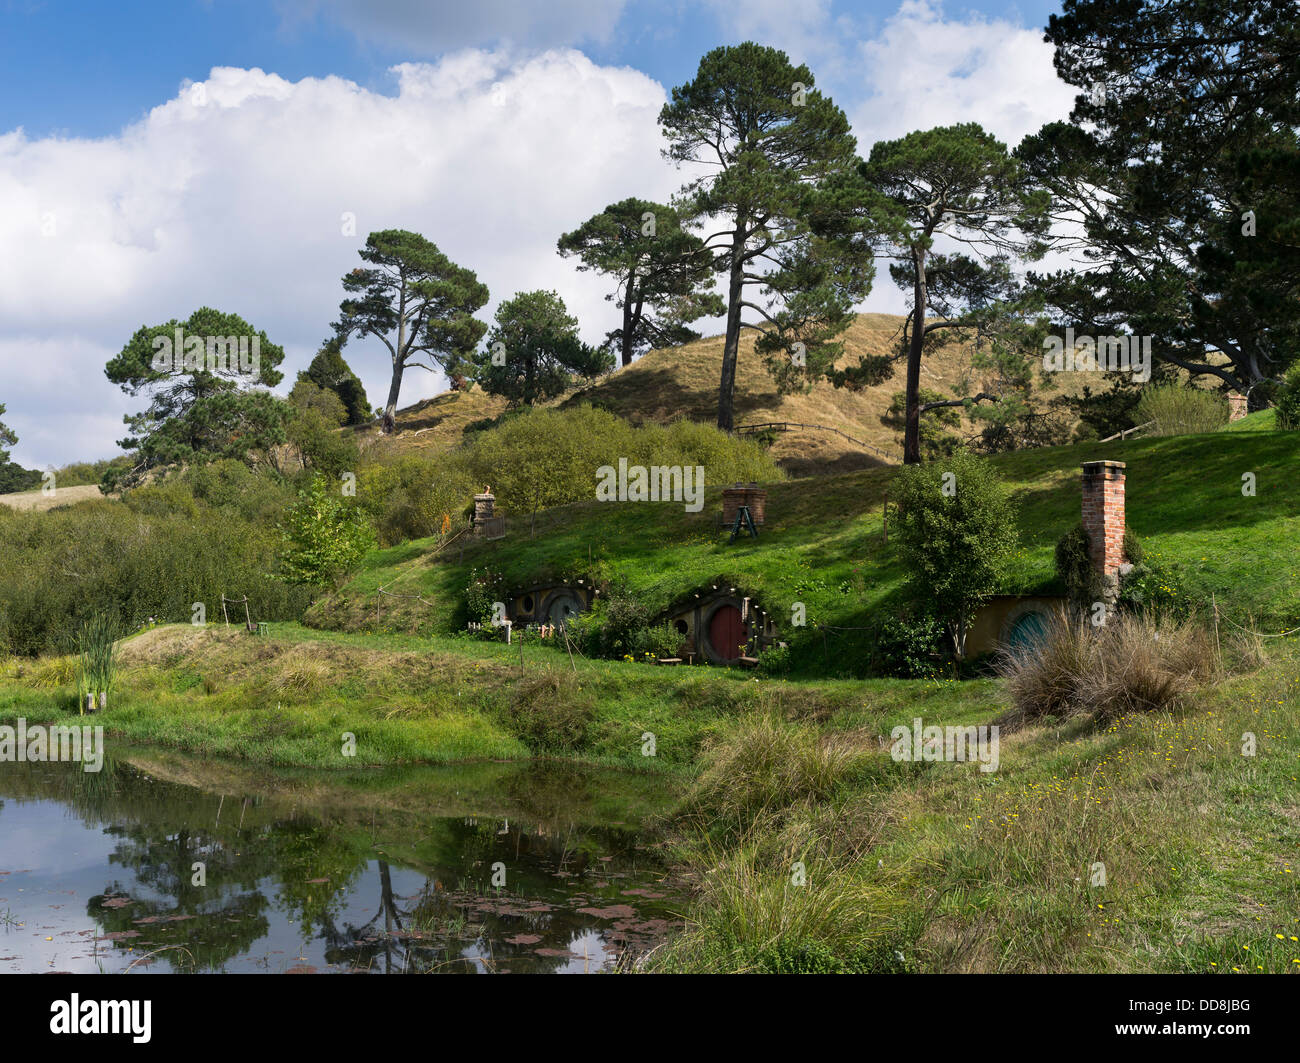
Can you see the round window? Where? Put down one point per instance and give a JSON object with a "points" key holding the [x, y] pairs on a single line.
{"points": [[1027, 633]]}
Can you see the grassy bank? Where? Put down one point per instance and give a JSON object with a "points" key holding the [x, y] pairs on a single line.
{"points": [[289, 699], [1150, 843], [824, 544]]}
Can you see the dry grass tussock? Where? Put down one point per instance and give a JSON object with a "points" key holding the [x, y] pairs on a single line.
{"points": [[1132, 663]]}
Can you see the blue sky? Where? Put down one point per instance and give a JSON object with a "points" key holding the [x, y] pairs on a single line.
{"points": [[159, 157], [88, 68]]}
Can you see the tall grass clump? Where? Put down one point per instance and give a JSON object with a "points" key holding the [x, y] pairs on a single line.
{"points": [[1135, 662], [765, 764], [752, 918], [97, 647], [1178, 410]]}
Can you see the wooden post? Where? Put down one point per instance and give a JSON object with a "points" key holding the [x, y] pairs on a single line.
{"points": [[223, 611]]}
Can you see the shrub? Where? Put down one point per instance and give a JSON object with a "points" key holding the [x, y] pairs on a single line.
{"points": [[1287, 400], [1179, 410], [660, 640], [1155, 587], [481, 596], [155, 552], [956, 536], [1133, 663], [618, 625], [324, 537], [1074, 568], [775, 660], [906, 647]]}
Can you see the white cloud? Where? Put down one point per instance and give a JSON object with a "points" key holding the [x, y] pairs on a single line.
{"points": [[924, 71], [421, 27], [231, 195]]}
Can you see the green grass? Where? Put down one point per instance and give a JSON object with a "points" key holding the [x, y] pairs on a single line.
{"points": [[1259, 421], [823, 545], [942, 868], [289, 699]]}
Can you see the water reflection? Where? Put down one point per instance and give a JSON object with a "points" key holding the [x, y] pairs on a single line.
{"points": [[160, 862]]}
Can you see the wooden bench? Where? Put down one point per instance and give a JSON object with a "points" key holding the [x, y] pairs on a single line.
{"points": [[747, 662], [669, 660]]}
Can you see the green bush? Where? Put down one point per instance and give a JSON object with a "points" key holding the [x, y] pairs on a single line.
{"points": [[1179, 410], [906, 647], [481, 595], [775, 661], [956, 536], [1156, 587], [155, 552], [659, 640], [1287, 400], [325, 536], [1074, 568], [535, 459]]}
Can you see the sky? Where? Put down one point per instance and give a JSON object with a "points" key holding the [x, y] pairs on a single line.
{"points": [[159, 157]]}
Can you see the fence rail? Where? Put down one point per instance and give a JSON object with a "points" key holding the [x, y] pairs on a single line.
{"points": [[786, 426]]}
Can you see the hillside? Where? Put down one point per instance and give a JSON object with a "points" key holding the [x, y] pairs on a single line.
{"points": [[683, 382], [823, 541]]}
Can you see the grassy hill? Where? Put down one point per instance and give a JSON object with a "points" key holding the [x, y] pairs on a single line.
{"points": [[683, 382], [823, 544]]}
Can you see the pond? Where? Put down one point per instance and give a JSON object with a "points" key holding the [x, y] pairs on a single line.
{"points": [[162, 863]]}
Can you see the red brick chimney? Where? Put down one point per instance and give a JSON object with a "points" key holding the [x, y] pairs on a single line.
{"points": [[1103, 515]]}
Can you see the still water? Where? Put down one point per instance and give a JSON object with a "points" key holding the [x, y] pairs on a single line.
{"points": [[162, 863]]}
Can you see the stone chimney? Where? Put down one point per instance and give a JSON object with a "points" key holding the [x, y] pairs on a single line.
{"points": [[483, 509], [752, 496], [1236, 406], [1103, 517]]}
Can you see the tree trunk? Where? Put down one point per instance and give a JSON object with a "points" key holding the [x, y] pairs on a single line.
{"points": [[390, 408], [912, 434], [629, 322], [727, 388]]}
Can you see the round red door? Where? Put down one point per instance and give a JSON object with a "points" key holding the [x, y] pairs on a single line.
{"points": [[727, 633]]}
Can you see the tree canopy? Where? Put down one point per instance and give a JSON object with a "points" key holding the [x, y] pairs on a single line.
{"points": [[534, 352], [773, 146], [960, 184], [663, 274], [329, 371], [1177, 180], [205, 378], [417, 303]]}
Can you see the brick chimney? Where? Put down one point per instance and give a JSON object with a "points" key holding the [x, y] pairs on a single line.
{"points": [[753, 496], [1103, 517], [483, 509], [1236, 406]]}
